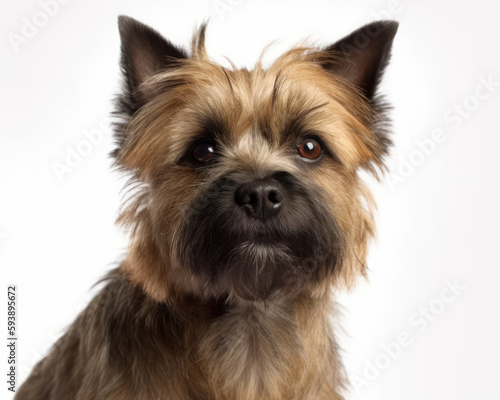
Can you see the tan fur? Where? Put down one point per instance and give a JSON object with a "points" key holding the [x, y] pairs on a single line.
{"points": [[288, 349], [246, 105], [276, 350]]}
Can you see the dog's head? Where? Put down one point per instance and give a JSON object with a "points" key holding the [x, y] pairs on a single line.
{"points": [[248, 182]]}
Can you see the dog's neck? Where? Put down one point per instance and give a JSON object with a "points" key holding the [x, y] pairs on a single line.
{"points": [[248, 350], [258, 350], [266, 350]]}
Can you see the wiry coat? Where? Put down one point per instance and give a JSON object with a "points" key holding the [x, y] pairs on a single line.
{"points": [[189, 314]]}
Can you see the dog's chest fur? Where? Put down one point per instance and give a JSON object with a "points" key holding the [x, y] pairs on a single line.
{"points": [[262, 353], [143, 350], [274, 351]]}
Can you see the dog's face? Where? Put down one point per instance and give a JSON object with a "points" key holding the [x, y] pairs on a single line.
{"points": [[249, 185]]}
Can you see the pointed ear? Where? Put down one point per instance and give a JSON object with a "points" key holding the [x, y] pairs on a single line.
{"points": [[362, 56], [144, 52]]}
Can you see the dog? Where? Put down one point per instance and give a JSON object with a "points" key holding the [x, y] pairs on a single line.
{"points": [[245, 212]]}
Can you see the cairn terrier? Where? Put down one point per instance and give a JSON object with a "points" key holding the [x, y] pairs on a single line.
{"points": [[246, 213]]}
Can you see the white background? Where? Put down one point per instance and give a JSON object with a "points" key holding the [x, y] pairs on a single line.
{"points": [[440, 223]]}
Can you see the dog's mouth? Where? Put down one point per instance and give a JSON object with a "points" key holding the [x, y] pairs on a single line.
{"points": [[259, 268], [265, 246], [263, 239], [257, 265]]}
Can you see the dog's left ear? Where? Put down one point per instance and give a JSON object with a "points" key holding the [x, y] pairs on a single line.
{"points": [[362, 56], [144, 52]]}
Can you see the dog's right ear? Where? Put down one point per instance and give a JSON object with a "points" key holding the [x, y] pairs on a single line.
{"points": [[144, 52]]}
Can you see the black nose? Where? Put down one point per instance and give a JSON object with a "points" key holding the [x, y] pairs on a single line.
{"points": [[261, 199]]}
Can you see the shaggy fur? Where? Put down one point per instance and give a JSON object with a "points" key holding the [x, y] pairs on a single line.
{"points": [[209, 302]]}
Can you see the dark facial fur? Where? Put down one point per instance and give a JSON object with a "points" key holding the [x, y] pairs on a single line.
{"points": [[255, 259]]}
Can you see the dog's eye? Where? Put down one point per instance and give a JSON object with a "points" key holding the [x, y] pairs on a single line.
{"points": [[203, 151], [309, 148]]}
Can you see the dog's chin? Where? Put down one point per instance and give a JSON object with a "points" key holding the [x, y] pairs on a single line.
{"points": [[261, 269]]}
